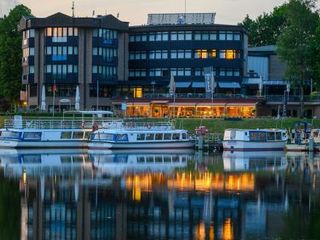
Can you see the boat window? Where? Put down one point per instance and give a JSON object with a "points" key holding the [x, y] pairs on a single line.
{"points": [[87, 135], [9, 134], [77, 159], [158, 136], [65, 135], [150, 159], [32, 158], [77, 135], [167, 136], [257, 136], [122, 137], [32, 135], [175, 158], [65, 159], [278, 136], [104, 136], [140, 137], [140, 159], [184, 136], [158, 159], [175, 136], [167, 159], [149, 136], [270, 136]]}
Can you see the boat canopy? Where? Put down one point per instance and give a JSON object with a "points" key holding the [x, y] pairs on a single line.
{"points": [[100, 112]]}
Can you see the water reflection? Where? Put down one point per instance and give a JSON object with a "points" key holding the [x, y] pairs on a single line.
{"points": [[70, 194]]}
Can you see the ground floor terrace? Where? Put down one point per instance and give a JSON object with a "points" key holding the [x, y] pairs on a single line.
{"points": [[235, 108]]}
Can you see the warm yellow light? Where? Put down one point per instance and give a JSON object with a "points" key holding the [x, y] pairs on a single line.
{"points": [[227, 231], [24, 177], [230, 54], [200, 231], [137, 92]]}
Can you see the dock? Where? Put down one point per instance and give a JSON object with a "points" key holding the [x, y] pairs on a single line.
{"points": [[211, 142]]}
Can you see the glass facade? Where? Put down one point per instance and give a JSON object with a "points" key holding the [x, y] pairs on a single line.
{"points": [[61, 55], [104, 55]]}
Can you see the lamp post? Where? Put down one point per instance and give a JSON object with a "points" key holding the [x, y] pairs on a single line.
{"points": [[54, 96], [97, 104]]}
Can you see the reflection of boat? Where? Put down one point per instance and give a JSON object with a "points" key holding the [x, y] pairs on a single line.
{"points": [[43, 162], [254, 140], [141, 135], [44, 133], [117, 162], [254, 161]]}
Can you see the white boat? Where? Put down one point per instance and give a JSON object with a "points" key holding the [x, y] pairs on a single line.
{"points": [[254, 161], [254, 139], [44, 133], [141, 136], [117, 162]]}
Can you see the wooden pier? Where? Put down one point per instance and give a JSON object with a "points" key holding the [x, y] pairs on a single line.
{"points": [[211, 142]]}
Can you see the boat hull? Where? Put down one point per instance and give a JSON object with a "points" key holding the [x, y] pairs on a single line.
{"points": [[43, 144], [234, 145], [149, 145]]}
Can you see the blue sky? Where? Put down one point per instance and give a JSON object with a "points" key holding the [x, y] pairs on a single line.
{"points": [[135, 11]]}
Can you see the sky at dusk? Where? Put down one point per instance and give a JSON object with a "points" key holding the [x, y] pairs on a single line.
{"points": [[135, 11]]}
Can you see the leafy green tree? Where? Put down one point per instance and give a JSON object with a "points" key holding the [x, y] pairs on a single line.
{"points": [[267, 27], [11, 54], [295, 43]]}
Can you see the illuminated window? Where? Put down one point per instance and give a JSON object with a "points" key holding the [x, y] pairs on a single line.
{"points": [[201, 54], [212, 54], [138, 92], [49, 32]]}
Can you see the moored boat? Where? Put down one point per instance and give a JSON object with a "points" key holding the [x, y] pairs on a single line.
{"points": [[58, 133], [254, 139], [141, 136]]}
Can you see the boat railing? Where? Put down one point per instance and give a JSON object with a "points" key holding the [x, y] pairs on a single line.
{"points": [[148, 126], [60, 124]]}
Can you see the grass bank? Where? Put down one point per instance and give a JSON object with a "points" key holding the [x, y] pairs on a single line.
{"points": [[219, 125]]}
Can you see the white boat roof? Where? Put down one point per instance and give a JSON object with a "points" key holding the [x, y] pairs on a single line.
{"points": [[255, 129], [99, 112], [122, 131]]}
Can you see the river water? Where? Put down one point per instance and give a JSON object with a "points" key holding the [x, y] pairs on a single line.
{"points": [[180, 194]]}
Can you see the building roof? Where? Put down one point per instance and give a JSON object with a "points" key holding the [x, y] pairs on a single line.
{"points": [[62, 20], [264, 50]]}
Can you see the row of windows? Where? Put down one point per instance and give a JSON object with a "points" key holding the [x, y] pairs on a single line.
{"points": [[161, 72], [28, 34], [186, 36], [108, 53], [104, 71], [105, 33], [26, 52], [61, 69], [65, 50], [186, 54], [61, 90], [61, 31]]}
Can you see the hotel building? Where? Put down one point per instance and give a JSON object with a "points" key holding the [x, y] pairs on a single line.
{"points": [[128, 69]]}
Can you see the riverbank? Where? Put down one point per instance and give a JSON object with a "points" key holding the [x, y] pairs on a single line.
{"points": [[218, 125]]}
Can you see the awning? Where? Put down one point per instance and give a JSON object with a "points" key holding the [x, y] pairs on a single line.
{"points": [[183, 84], [229, 85], [198, 85]]}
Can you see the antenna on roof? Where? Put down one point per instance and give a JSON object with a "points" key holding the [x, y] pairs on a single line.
{"points": [[93, 13], [118, 15], [72, 9]]}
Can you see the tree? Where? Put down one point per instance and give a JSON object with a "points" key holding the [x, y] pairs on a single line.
{"points": [[295, 43], [267, 27], [11, 54]]}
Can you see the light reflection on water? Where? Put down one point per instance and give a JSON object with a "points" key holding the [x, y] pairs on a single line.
{"points": [[73, 194]]}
